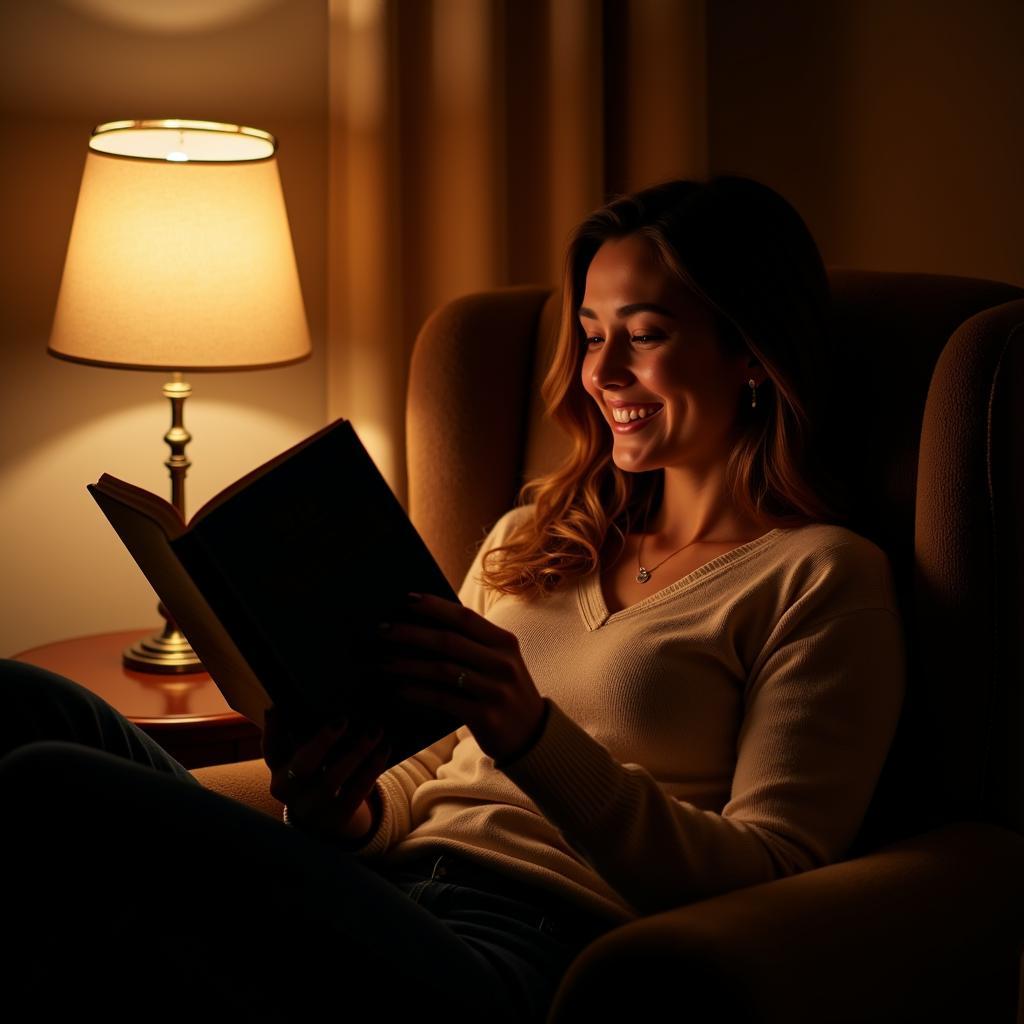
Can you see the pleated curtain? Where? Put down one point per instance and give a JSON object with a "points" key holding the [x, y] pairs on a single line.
{"points": [[467, 138]]}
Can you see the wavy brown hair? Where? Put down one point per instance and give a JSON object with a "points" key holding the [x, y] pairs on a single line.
{"points": [[742, 249]]}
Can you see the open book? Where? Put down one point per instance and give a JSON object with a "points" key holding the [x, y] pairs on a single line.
{"points": [[279, 580]]}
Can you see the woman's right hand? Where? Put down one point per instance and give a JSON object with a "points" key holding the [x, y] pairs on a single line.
{"points": [[325, 780]]}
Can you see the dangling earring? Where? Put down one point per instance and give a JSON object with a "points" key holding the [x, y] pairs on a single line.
{"points": [[753, 393]]}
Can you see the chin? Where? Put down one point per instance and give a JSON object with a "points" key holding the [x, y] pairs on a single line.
{"points": [[629, 464]]}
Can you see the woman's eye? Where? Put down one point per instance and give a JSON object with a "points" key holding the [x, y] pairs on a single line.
{"points": [[642, 339]]}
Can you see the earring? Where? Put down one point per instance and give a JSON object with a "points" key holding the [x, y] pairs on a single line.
{"points": [[753, 393]]}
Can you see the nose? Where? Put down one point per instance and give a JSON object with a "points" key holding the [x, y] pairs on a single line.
{"points": [[609, 366]]}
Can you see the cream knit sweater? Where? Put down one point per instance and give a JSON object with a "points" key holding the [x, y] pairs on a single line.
{"points": [[727, 730]]}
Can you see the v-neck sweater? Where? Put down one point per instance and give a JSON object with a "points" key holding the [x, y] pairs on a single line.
{"points": [[728, 729]]}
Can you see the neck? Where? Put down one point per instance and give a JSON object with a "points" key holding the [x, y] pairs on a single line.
{"points": [[695, 507]]}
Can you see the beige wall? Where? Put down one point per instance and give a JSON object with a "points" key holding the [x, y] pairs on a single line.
{"points": [[65, 66], [894, 126]]}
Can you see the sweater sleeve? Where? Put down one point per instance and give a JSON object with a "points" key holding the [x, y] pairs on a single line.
{"points": [[397, 785], [821, 706]]}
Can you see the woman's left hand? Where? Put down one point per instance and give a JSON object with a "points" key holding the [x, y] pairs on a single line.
{"points": [[453, 659]]}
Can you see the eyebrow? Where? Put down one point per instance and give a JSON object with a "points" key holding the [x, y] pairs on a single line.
{"points": [[633, 307]]}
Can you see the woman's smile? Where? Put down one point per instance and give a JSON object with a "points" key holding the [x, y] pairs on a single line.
{"points": [[629, 419]]}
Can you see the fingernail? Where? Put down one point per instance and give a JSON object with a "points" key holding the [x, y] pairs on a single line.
{"points": [[383, 627], [413, 596]]}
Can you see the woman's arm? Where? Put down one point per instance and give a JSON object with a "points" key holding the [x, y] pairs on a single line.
{"points": [[821, 709], [391, 800], [820, 706], [393, 794]]}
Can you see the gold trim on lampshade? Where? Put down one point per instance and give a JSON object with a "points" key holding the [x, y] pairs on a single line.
{"points": [[180, 255]]}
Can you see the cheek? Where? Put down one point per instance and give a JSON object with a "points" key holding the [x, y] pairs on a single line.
{"points": [[664, 381]]}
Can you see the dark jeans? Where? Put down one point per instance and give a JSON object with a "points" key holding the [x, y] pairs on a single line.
{"points": [[133, 891]]}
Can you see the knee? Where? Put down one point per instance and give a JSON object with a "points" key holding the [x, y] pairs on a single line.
{"points": [[43, 763], [41, 705], [21, 681]]}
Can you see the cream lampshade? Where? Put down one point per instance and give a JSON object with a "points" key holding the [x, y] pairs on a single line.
{"points": [[180, 255], [180, 259]]}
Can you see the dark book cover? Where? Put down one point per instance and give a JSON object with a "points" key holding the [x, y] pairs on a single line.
{"points": [[298, 561]]}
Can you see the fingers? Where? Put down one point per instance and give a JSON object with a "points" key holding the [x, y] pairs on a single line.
{"points": [[323, 792], [294, 767], [281, 735], [307, 759], [441, 612], [340, 770], [449, 701], [439, 646], [442, 677], [353, 788]]}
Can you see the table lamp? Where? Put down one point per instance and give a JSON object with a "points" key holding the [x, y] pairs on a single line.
{"points": [[180, 259]]}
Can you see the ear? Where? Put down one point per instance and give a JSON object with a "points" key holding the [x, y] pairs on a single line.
{"points": [[751, 369]]}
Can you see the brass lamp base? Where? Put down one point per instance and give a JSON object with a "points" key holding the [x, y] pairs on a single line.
{"points": [[167, 653]]}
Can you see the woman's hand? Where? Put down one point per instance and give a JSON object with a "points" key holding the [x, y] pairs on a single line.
{"points": [[453, 659], [325, 781]]}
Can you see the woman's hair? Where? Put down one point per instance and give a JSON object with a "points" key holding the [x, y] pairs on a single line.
{"points": [[742, 249]]}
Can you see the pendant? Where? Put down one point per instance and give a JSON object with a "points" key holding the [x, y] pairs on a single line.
{"points": [[643, 575]]}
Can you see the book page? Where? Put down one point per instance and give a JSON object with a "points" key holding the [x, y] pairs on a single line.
{"points": [[146, 538], [161, 511]]}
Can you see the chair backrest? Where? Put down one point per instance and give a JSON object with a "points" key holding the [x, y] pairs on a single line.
{"points": [[933, 391]]}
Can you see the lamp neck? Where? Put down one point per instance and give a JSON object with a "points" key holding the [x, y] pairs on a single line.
{"points": [[177, 390]]}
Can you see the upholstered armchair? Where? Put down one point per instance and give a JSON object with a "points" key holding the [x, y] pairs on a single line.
{"points": [[924, 920]]}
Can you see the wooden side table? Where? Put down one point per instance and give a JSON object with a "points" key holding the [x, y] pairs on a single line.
{"points": [[187, 715]]}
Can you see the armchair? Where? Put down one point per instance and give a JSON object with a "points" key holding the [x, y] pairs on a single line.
{"points": [[924, 920]]}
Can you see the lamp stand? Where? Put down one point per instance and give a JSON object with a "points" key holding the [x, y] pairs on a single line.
{"points": [[168, 652]]}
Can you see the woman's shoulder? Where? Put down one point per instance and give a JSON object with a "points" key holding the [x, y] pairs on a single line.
{"points": [[829, 536], [833, 562], [831, 539], [510, 521], [472, 592]]}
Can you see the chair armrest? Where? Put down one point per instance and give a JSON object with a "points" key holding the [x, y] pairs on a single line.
{"points": [[248, 782], [902, 933]]}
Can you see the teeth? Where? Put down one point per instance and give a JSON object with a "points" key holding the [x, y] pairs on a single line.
{"points": [[628, 415]]}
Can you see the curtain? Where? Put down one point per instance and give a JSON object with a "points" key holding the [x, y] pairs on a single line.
{"points": [[467, 138]]}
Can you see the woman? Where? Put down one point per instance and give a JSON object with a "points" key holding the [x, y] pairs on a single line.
{"points": [[679, 675]]}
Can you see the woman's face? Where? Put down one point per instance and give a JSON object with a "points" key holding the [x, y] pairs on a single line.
{"points": [[652, 347]]}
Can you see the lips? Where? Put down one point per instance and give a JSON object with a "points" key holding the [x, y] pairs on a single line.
{"points": [[622, 426], [626, 413]]}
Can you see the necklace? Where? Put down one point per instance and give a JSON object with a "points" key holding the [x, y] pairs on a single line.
{"points": [[645, 574]]}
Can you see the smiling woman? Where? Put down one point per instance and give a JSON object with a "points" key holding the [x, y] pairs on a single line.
{"points": [[678, 676], [694, 346]]}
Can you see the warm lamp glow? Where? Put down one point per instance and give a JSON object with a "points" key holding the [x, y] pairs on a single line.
{"points": [[180, 259], [180, 255]]}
